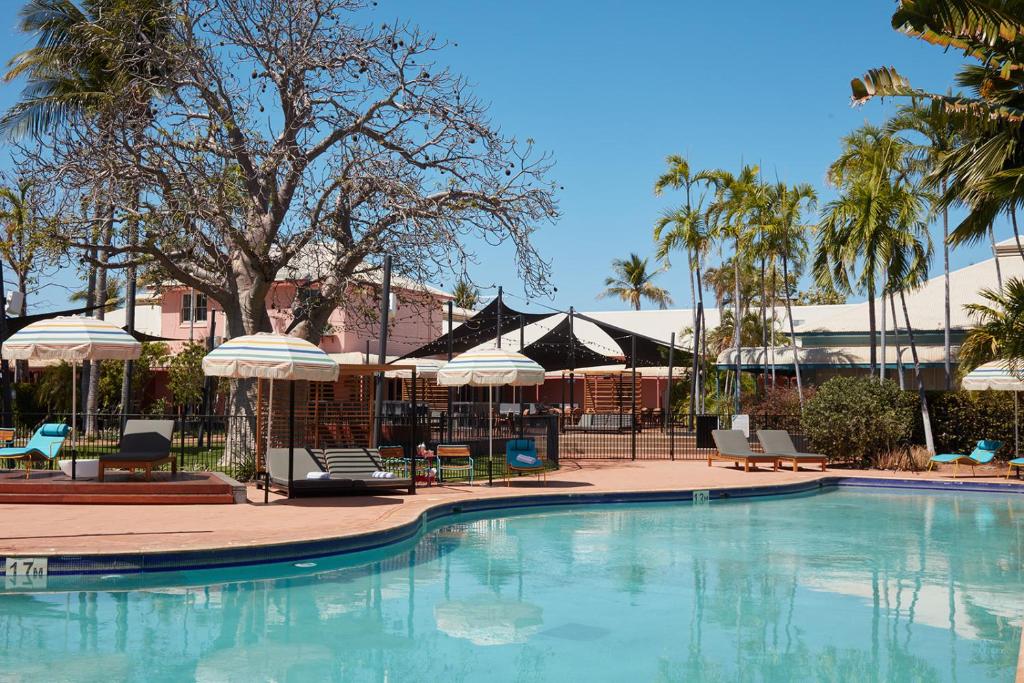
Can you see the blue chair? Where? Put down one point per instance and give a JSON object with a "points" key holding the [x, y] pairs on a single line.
{"points": [[45, 444], [981, 455], [521, 457]]}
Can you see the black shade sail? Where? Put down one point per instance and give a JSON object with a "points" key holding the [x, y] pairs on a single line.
{"points": [[650, 353], [479, 329], [560, 349], [146, 338]]}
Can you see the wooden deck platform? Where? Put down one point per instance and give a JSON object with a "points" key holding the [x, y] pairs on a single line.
{"points": [[120, 488]]}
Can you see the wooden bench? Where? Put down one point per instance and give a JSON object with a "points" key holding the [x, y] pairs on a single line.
{"points": [[448, 454]]}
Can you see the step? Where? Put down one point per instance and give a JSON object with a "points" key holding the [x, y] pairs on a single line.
{"points": [[118, 498]]}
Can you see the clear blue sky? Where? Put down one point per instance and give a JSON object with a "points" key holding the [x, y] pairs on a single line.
{"points": [[611, 88]]}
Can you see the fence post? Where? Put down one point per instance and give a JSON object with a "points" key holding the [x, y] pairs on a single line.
{"points": [[633, 425], [668, 398], [412, 434], [181, 441]]}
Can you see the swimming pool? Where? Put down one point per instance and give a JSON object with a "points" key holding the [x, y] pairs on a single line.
{"points": [[838, 585]]}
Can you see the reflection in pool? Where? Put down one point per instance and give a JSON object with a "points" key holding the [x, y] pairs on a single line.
{"points": [[842, 585]]}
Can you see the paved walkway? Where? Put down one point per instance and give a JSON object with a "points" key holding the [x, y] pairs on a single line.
{"points": [[90, 529]]}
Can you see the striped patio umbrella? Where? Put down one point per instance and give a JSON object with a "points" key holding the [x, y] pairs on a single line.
{"points": [[72, 339], [484, 367], [996, 376], [272, 356]]}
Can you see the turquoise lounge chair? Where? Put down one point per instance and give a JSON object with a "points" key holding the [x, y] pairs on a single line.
{"points": [[45, 443], [1016, 462], [981, 455]]}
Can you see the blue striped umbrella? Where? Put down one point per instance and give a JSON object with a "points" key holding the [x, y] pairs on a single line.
{"points": [[483, 367], [272, 356], [73, 339]]}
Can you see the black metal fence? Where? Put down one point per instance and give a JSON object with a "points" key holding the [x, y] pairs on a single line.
{"points": [[201, 442], [617, 436]]}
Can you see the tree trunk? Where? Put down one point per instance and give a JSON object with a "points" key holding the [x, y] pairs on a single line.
{"points": [[872, 329], [737, 324], [995, 257], [703, 337], [881, 365], [896, 340], [21, 366], [925, 417], [130, 287], [775, 296], [764, 325], [792, 335], [947, 362], [93, 396], [696, 341]]}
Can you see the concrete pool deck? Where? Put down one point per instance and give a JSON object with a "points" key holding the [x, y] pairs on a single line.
{"points": [[46, 530]]}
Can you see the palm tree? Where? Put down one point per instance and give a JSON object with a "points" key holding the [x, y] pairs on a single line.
{"points": [[942, 129], [731, 214], [631, 282], [466, 295], [684, 229], [998, 332], [94, 60], [784, 237], [854, 227]]}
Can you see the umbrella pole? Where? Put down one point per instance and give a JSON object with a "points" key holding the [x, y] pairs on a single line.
{"points": [[74, 416], [270, 414], [490, 435], [1016, 427], [291, 435]]}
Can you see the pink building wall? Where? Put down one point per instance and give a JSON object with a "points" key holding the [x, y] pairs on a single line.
{"points": [[415, 318]]}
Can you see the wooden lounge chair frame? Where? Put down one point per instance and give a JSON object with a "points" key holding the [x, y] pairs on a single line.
{"points": [[732, 446], [777, 442], [145, 444]]}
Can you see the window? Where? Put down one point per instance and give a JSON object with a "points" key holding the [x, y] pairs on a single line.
{"points": [[187, 309]]}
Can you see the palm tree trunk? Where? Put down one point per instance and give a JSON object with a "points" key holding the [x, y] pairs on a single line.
{"points": [[881, 365], [1016, 232], [775, 295], [925, 417], [703, 337], [896, 339], [21, 366], [792, 334], [696, 341], [995, 257], [93, 396], [129, 310], [737, 324], [764, 326], [872, 329], [946, 346]]}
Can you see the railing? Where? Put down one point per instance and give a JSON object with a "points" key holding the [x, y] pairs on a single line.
{"points": [[618, 436]]}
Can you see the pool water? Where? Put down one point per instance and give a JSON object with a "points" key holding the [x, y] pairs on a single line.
{"points": [[835, 586]]}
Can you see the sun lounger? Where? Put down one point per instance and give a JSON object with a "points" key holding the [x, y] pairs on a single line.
{"points": [[981, 455], [777, 442], [1016, 462], [733, 446], [145, 444], [335, 471], [44, 444]]}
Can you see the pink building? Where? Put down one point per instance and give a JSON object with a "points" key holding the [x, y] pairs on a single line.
{"points": [[417, 316]]}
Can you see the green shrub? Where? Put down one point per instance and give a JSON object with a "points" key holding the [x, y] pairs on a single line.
{"points": [[858, 419], [962, 418]]}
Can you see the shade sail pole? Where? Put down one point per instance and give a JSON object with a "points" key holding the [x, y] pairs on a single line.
{"points": [[382, 350], [1016, 425], [291, 435]]}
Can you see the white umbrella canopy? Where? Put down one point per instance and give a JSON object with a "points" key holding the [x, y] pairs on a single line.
{"points": [[272, 356], [73, 339], [994, 376], [425, 368], [491, 368], [997, 376]]}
